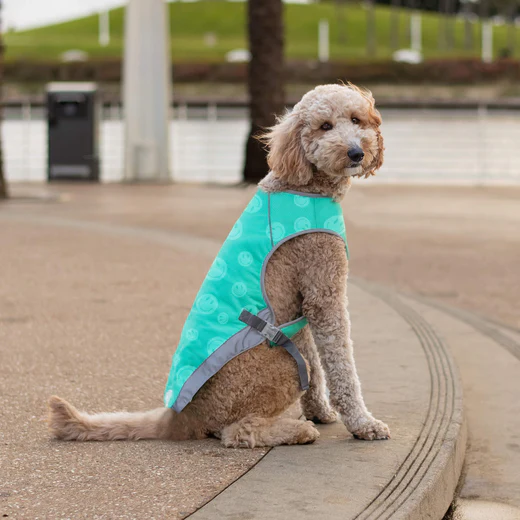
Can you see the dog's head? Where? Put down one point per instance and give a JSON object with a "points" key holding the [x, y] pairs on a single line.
{"points": [[334, 129]]}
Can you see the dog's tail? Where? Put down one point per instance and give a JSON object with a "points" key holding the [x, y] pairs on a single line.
{"points": [[67, 423]]}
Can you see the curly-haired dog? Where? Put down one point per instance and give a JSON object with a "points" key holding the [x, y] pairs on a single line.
{"points": [[331, 135]]}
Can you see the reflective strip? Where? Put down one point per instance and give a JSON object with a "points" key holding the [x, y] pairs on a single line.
{"points": [[242, 341]]}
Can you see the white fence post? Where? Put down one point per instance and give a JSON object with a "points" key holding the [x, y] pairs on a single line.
{"points": [[104, 28], [416, 31], [323, 41], [487, 41]]}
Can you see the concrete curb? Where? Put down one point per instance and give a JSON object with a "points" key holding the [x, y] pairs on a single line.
{"points": [[429, 478], [487, 355]]}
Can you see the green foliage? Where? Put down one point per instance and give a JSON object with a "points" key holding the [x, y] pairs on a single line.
{"points": [[190, 22]]}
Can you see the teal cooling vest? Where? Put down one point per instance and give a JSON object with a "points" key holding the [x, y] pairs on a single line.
{"points": [[213, 333]]}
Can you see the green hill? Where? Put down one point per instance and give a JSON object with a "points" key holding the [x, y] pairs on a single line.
{"points": [[190, 22]]}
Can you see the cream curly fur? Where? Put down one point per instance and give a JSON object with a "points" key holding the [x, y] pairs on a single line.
{"points": [[243, 402]]}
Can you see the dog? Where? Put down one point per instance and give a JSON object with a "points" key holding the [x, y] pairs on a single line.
{"points": [[332, 135]]}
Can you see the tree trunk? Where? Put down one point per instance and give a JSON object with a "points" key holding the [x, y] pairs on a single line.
{"points": [[395, 11], [265, 79], [3, 184]]}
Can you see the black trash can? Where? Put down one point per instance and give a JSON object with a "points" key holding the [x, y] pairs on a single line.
{"points": [[73, 138]]}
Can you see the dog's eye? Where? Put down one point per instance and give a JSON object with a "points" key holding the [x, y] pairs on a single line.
{"points": [[326, 126], [355, 120]]}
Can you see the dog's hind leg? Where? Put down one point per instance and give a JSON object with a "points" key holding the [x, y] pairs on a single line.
{"points": [[254, 432], [315, 404], [67, 423]]}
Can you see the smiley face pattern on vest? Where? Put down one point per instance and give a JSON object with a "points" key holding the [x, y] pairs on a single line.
{"points": [[234, 282]]}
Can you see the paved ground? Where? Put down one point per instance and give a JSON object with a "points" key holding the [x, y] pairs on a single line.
{"points": [[457, 245], [75, 315]]}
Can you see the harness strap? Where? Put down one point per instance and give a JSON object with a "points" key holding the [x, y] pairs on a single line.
{"points": [[274, 334]]}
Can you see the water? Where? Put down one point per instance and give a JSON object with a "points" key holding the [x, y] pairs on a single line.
{"points": [[454, 146]]}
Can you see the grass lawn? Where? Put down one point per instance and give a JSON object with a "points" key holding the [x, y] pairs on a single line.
{"points": [[189, 22]]}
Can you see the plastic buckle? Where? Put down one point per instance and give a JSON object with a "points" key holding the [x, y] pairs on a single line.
{"points": [[270, 332]]}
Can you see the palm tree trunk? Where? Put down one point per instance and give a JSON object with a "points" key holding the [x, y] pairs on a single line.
{"points": [[3, 185], [265, 79]]}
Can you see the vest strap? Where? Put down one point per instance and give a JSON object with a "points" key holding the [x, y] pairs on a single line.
{"points": [[275, 335]]}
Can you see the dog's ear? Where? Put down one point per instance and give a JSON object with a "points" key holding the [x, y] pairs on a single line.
{"points": [[286, 157], [374, 120]]}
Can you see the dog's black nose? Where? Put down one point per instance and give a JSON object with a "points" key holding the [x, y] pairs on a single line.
{"points": [[356, 154]]}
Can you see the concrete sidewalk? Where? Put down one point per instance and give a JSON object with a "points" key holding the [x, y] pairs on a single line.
{"points": [[95, 288]]}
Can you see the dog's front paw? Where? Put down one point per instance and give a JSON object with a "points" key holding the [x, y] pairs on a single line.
{"points": [[372, 430]]}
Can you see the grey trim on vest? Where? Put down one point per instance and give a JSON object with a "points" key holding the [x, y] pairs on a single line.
{"points": [[268, 257], [291, 322], [305, 194], [243, 340]]}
